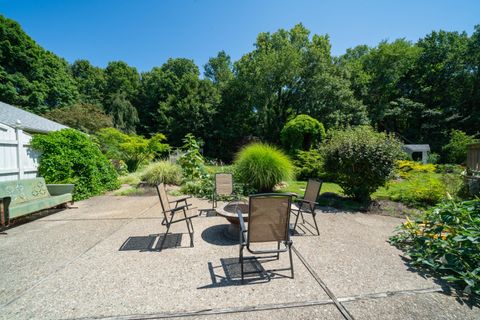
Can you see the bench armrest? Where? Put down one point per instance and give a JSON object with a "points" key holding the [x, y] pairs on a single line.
{"points": [[58, 189]]}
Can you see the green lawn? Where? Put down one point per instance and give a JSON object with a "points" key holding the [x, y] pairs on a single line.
{"points": [[298, 187]]}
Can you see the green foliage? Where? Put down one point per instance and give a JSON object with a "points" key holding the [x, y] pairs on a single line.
{"points": [[132, 179], [361, 160], [162, 171], [192, 161], [69, 156], [85, 117], [309, 164], [262, 166], [90, 80], [420, 190], [302, 133], [30, 76], [446, 241], [456, 149], [407, 168], [132, 149]]}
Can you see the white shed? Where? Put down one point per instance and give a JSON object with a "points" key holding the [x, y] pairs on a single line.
{"points": [[17, 159]]}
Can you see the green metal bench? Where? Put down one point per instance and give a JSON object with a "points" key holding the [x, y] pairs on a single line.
{"points": [[21, 197]]}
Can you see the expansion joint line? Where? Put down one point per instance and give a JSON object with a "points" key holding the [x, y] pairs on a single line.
{"points": [[322, 284]]}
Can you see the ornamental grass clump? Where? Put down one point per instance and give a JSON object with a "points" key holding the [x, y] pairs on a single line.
{"points": [[162, 171], [262, 166]]}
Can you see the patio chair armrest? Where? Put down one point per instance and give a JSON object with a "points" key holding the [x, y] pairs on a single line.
{"points": [[241, 221], [181, 199], [307, 201], [177, 209]]}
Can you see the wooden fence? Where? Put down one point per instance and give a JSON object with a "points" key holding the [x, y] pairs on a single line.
{"points": [[17, 159], [473, 156]]}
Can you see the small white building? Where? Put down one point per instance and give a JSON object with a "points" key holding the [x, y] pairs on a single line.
{"points": [[424, 149], [17, 159]]}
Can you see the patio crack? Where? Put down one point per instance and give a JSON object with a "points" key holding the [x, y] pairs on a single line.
{"points": [[62, 267]]}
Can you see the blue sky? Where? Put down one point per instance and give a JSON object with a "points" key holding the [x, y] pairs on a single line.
{"points": [[146, 33]]}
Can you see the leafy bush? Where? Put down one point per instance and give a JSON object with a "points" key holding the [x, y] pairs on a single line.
{"points": [[131, 148], [69, 156], [446, 240], [262, 166], [302, 133], [420, 190], [192, 161], [162, 171], [82, 116], [361, 160], [202, 188], [433, 158], [407, 168], [456, 149], [309, 164]]}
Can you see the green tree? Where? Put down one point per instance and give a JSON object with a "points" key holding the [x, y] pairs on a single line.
{"points": [[90, 80], [121, 89], [85, 117], [176, 100], [31, 77], [219, 69]]}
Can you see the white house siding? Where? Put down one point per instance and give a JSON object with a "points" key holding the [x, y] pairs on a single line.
{"points": [[17, 159]]}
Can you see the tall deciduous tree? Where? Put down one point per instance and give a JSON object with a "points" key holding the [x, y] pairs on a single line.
{"points": [[90, 80], [121, 88], [30, 76]]}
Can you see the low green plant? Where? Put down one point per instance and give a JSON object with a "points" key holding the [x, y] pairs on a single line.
{"points": [[302, 133], [202, 188], [192, 161], [361, 160], [420, 190], [69, 156], [162, 171], [446, 241], [456, 149], [132, 179], [309, 164], [407, 168], [262, 166]]}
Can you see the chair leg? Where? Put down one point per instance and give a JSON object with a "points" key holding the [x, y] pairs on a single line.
{"points": [[315, 221], [164, 237], [290, 255], [296, 221], [278, 248], [190, 232], [303, 218], [241, 262]]}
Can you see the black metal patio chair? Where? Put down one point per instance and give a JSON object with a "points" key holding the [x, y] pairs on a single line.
{"points": [[182, 208], [307, 204], [268, 221]]}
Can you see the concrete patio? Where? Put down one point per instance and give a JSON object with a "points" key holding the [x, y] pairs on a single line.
{"points": [[99, 261]]}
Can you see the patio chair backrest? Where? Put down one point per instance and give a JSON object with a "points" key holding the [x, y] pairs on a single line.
{"points": [[162, 195], [313, 189], [269, 217], [223, 183]]}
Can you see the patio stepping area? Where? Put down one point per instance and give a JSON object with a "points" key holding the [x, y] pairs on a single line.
{"points": [[102, 261]]}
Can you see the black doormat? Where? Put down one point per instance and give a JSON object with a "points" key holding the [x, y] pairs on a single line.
{"points": [[142, 243], [173, 240]]}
